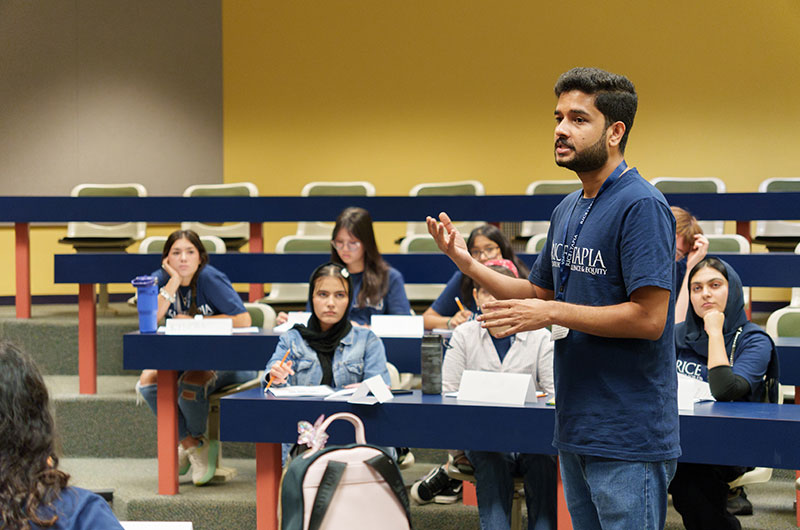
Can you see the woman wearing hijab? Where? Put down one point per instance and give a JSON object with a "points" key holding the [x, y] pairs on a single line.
{"points": [[716, 343], [329, 350]]}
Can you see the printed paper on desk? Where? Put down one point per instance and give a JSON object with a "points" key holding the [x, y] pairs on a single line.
{"points": [[295, 317], [397, 325], [497, 387], [376, 385], [199, 326], [691, 390]]}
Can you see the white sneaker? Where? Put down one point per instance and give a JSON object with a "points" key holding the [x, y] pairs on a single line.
{"points": [[204, 461], [183, 460]]}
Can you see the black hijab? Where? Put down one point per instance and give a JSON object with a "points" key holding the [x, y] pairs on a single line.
{"points": [[326, 342], [691, 332]]}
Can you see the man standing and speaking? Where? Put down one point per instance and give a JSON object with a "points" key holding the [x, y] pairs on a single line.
{"points": [[603, 282]]}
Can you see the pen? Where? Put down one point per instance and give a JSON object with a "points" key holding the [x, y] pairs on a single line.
{"points": [[460, 305], [285, 355]]}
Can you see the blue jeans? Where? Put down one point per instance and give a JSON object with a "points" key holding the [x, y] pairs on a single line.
{"points": [[610, 494], [193, 400], [494, 476]]}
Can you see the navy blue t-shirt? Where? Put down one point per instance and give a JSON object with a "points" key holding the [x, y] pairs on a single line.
{"points": [[446, 305], [215, 294], [80, 509], [617, 398], [501, 346], [750, 360]]}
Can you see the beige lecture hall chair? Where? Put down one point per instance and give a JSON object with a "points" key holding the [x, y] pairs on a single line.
{"points": [[694, 185], [778, 235], [357, 188], [235, 235]]}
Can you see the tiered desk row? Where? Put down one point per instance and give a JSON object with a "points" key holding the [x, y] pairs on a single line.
{"points": [[766, 434]]}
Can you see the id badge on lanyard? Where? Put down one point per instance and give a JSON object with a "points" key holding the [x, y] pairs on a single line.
{"points": [[565, 264]]}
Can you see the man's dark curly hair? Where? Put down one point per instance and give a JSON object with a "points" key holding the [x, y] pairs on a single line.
{"points": [[615, 95], [29, 476]]}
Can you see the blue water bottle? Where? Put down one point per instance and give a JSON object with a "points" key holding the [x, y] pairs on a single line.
{"points": [[147, 302]]}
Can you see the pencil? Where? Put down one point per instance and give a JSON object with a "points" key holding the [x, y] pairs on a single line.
{"points": [[460, 305], [285, 355]]}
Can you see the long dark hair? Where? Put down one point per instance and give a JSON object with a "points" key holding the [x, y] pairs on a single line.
{"points": [[495, 235], [375, 282], [194, 239], [29, 476]]}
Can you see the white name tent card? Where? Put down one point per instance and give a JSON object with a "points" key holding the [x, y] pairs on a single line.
{"points": [[295, 317], [397, 325], [376, 385], [497, 387], [301, 391], [199, 326]]}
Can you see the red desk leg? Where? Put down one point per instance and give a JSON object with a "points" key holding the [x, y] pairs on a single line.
{"points": [[743, 229], [167, 403], [564, 521], [268, 480], [256, 246], [87, 339], [22, 235]]}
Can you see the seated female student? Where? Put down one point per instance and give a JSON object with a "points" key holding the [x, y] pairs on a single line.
{"points": [[378, 289], [716, 343], [691, 247], [189, 286], [329, 350], [33, 491], [485, 243], [473, 347]]}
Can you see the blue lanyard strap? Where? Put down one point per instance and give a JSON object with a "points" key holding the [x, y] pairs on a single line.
{"points": [[565, 266]]}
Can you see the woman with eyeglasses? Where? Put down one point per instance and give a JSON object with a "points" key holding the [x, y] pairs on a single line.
{"points": [[378, 289], [485, 243]]}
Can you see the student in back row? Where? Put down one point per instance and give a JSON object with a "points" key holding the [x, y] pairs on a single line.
{"points": [[378, 289], [485, 243]]}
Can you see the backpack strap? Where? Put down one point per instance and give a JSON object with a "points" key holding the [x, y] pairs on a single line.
{"points": [[327, 487], [388, 470]]}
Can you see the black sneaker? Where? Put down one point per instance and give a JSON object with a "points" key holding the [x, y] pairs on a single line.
{"points": [[451, 494], [425, 490], [738, 503], [405, 458]]}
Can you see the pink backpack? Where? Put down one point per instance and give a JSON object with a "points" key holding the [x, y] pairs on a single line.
{"points": [[342, 487]]}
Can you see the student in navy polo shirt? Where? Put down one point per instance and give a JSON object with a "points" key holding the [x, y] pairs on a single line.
{"points": [[33, 491], [716, 343], [485, 243], [189, 286], [604, 283]]}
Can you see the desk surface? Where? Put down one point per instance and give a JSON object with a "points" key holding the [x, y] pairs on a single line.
{"points": [[758, 434], [239, 351]]}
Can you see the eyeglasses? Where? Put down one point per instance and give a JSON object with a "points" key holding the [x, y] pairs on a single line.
{"points": [[352, 246], [489, 252]]}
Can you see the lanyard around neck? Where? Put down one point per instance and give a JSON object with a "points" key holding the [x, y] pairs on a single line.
{"points": [[565, 266]]}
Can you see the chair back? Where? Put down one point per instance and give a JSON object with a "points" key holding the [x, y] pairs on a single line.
{"points": [[418, 292], [461, 187], [536, 243], [357, 188], [546, 187], [294, 293], [225, 231], [155, 244], [261, 315], [787, 229], [134, 231], [694, 185]]}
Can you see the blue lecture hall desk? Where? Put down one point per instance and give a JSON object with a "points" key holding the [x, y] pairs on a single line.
{"points": [[755, 433], [240, 351]]}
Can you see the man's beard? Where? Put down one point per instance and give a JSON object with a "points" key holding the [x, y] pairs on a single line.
{"points": [[590, 159]]}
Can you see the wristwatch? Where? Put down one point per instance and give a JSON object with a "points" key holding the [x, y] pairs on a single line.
{"points": [[168, 297]]}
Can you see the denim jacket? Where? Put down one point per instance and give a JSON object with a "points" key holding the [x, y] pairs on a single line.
{"points": [[359, 356]]}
